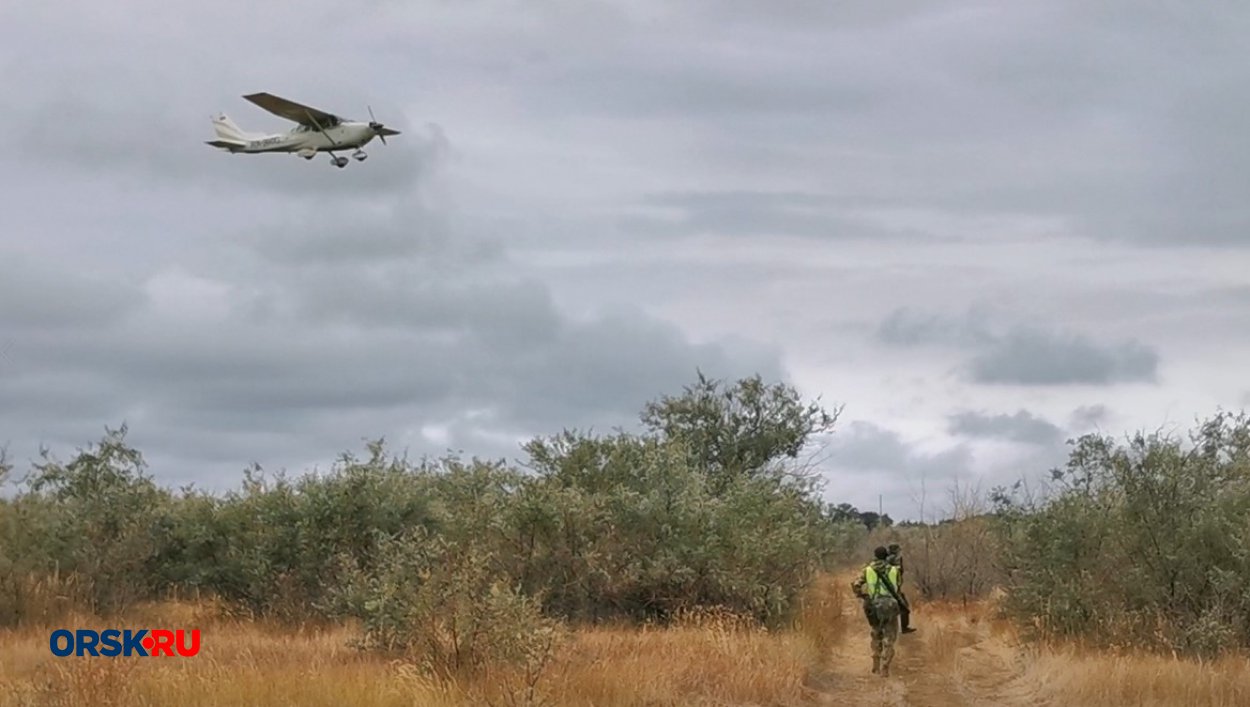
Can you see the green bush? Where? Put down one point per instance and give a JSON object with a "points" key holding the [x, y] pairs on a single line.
{"points": [[449, 607], [1144, 543], [98, 518], [711, 507], [630, 526]]}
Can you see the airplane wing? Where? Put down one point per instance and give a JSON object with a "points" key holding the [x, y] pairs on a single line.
{"points": [[293, 111]]}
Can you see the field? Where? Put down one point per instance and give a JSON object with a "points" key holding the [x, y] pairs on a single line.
{"points": [[962, 655]]}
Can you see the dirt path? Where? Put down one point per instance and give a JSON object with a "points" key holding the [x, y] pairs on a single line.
{"points": [[954, 658]]}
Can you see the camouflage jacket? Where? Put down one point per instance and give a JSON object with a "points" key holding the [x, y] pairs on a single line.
{"points": [[882, 568], [896, 559]]}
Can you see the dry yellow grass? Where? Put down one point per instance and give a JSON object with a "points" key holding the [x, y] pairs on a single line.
{"points": [[709, 660], [960, 656], [984, 657], [1074, 677]]}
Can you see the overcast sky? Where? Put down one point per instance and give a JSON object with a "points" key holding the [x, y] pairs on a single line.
{"points": [[982, 227]]}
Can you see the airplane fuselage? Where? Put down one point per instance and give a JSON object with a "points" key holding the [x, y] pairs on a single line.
{"points": [[345, 135]]}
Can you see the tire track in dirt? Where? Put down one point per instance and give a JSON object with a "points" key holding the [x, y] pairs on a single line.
{"points": [[954, 659]]}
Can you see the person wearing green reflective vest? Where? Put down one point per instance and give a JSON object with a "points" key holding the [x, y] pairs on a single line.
{"points": [[877, 586]]}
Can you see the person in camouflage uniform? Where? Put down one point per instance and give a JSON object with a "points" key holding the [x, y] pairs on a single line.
{"points": [[895, 558], [880, 608]]}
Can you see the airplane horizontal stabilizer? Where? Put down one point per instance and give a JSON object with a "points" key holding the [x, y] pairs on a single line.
{"points": [[231, 145]]}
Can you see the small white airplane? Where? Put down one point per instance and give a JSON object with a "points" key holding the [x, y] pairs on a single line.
{"points": [[317, 131]]}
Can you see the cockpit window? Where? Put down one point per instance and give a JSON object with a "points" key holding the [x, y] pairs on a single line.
{"points": [[326, 123]]}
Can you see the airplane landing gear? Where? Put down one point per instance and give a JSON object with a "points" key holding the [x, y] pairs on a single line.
{"points": [[339, 162], [360, 155]]}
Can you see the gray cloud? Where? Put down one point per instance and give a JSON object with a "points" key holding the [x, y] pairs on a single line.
{"points": [[1032, 357], [35, 294], [320, 241], [1022, 426], [908, 327], [1087, 417], [867, 448], [1021, 354], [870, 464], [757, 213], [322, 354]]}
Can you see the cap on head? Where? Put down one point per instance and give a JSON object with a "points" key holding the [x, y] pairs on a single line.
{"points": [[893, 547], [881, 553]]}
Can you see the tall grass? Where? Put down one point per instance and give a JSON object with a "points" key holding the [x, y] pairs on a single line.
{"points": [[40, 598], [821, 618], [1080, 677], [701, 657], [988, 659], [707, 659]]}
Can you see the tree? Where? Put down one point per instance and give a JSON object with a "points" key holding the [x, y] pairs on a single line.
{"points": [[843, 512], [744, 430], [871, 520]]}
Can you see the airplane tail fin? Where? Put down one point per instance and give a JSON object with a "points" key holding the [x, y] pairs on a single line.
{"points": [[228, 131]]}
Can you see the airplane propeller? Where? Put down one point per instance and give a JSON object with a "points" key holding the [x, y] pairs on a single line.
{"points": [[379, 129]]}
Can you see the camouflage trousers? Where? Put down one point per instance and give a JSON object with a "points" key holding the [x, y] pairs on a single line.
{"points": [[882, 614]]}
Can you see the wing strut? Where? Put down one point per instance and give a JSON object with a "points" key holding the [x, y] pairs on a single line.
{"points": [[320, 129]]}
